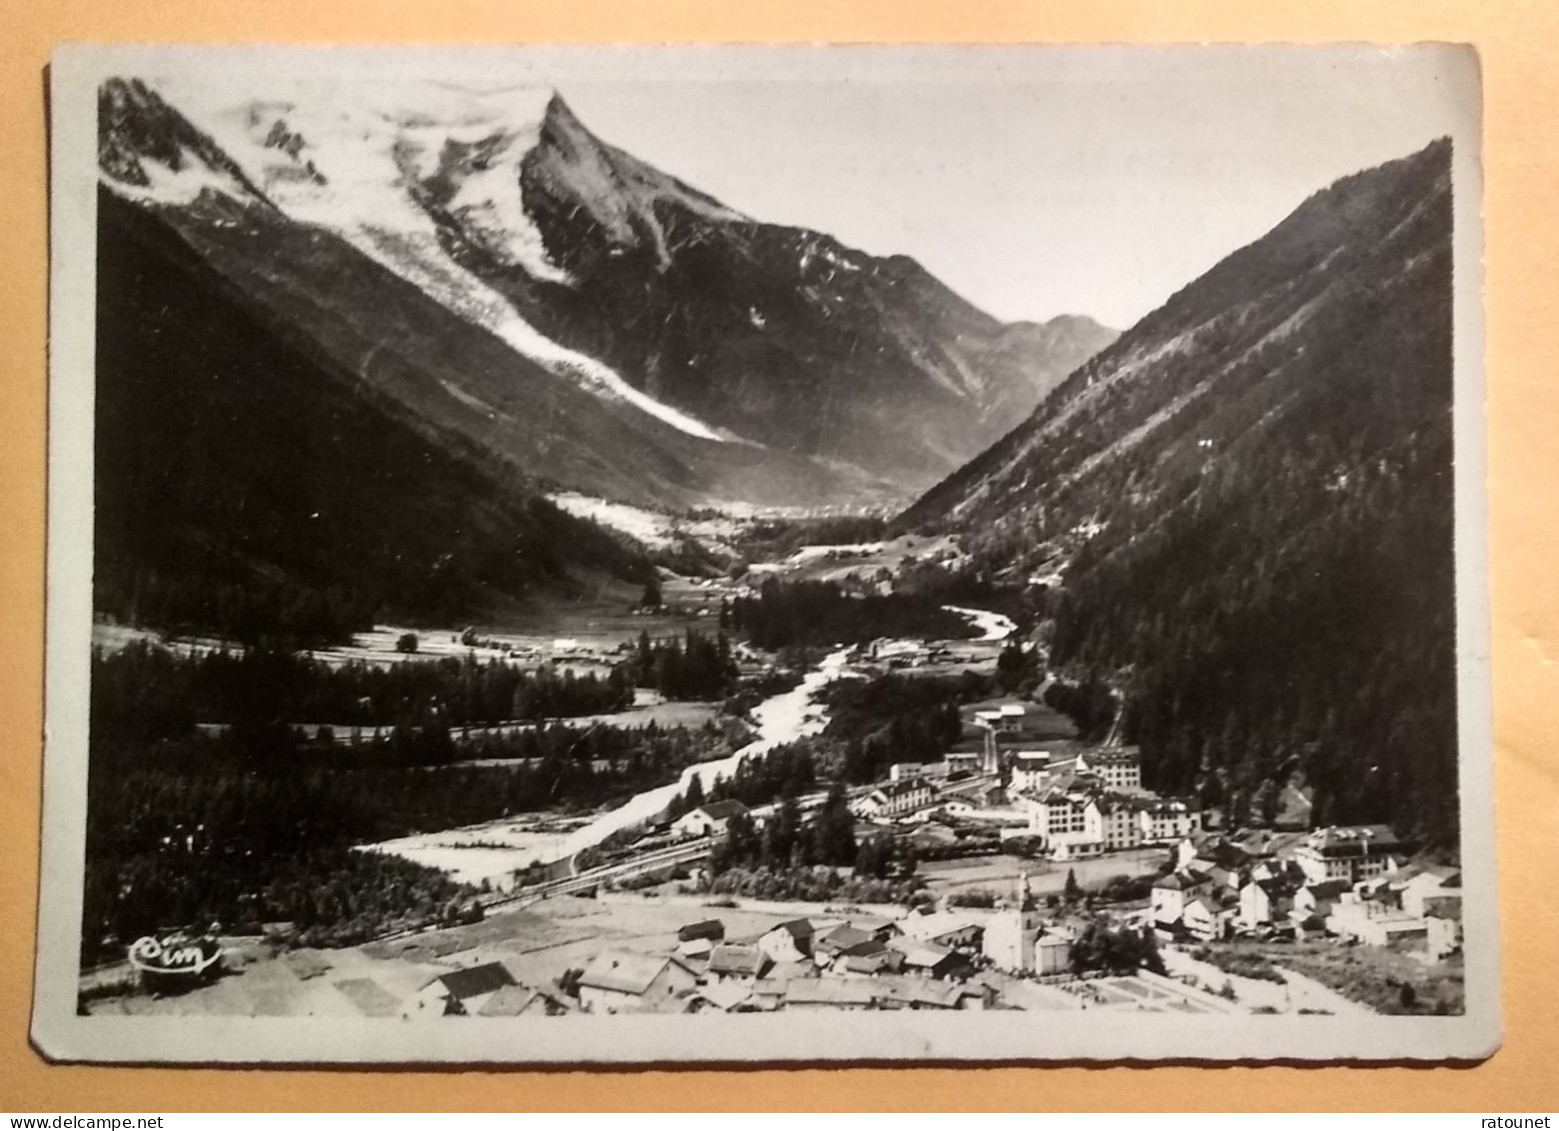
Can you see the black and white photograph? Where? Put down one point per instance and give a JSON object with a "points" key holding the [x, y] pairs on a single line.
{"points": [[665, 554]]}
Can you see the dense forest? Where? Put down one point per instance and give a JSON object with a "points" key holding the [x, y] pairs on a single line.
{"points": [[694, 667], [251, 487], [786, 840], [820, 613], [146, 691], [1091, 705], [791, 857], [785, 771], [897, 718], [253, 826], [1249, 499]]}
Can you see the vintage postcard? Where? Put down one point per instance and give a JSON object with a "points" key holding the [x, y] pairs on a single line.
{"points": [[657, 555]]}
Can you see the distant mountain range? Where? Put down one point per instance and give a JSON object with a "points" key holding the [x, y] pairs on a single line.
{"points": [[1243, 509], [490, 271]]}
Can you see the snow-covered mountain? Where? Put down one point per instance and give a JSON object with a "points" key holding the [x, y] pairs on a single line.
{"points": [[717, 357]]}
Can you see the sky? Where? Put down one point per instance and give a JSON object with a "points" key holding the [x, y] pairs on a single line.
{"points": [[1087, 181], [1035, 181]]}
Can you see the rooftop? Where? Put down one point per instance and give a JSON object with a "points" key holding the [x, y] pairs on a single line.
{"points": [[626, 971], [922, 954], [511, 1001], [731, 959], [703, 929], [829, 991], [1353, 840], [795, 928], [845, 937], [475, 980], [935, 924]]}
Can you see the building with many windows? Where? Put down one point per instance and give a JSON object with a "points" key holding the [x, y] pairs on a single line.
{"points": [[1359, 852], [1030, 771], [895, 799], [1116, 767], [1166, 820], [1081, 816]]}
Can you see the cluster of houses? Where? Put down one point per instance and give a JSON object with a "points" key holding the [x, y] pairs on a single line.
{"points": [[1355, 883], [916, 963], [1079, 805], [1087, 804], [486, 990], [931, 960]]}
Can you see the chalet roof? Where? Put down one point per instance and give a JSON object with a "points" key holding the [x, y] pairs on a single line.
{"points": [[845, 937], [695, 949], [1254, 842], [935, 924], [1116, 756], [1066, 791], [884, 959], [1276, 887], [626, 971], [475, 980], [1182, 879], [828, 991], [1330, 889], [727, 995], [886, 927], [1444, 873], [1208, 904], [703, 929], [1354, 840], [511, 1001], [926, 955], [728, 958], [789, 971], [910, 990], [899, 788], [795, 928], [1221, 853]]}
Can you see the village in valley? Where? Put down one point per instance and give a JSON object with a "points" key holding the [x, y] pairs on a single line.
{"points": [[524, 585], [1025, 869]]}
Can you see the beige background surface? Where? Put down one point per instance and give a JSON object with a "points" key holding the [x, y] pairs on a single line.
{"points": [[1519, 44]]}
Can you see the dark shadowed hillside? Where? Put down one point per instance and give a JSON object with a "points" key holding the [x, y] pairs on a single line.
{"points": [[1247, 501], [244, 483]]}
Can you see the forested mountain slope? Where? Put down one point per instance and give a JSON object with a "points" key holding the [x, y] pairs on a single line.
{"points": [[1248, 503], [245, 484]]}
